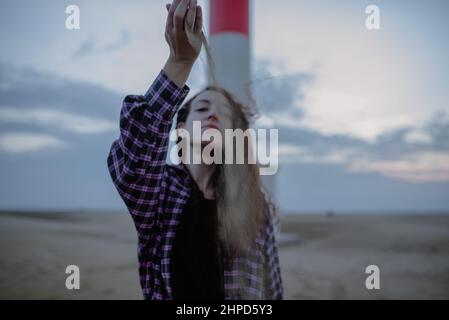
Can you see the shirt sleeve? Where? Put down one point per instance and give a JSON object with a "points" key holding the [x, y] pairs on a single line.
{"points": [[137, 159], [273, 289]]}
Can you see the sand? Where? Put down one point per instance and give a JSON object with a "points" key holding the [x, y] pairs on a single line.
{"points": [[411, 251]]}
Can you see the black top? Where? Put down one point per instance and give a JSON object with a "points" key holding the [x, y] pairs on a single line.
{"points": [[196, 265]]}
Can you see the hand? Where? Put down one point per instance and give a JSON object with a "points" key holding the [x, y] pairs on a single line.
{"points": [[183, 31]]}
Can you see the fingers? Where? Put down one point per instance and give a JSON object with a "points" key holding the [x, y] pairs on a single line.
{"points": [[198, 20], [191, 13], [178, 18], [171, 11]]}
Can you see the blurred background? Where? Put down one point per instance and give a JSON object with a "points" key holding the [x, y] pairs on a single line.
{"points": [[363, 120]]}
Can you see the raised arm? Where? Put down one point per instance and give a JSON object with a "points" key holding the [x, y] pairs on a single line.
{"points": [[136, 160]]}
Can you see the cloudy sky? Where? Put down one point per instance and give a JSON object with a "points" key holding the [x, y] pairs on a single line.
{"points": [[363, 115]]}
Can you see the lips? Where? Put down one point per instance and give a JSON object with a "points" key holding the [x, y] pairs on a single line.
{"points": [[211, 126]]}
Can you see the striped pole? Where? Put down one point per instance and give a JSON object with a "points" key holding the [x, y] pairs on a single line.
{"points": [[229, 32], [229, 41]]}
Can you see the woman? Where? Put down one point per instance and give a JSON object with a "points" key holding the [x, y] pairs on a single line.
{"points": [[205, 231]]}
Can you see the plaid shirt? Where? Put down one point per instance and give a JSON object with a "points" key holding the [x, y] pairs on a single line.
{"points": [[155, 194]]}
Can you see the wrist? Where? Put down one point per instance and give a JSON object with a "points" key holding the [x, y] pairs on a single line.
{"points": [[180, 64], [178, 71]]}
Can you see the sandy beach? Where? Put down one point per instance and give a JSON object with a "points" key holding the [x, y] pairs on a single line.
{"points": [[411, 251]]}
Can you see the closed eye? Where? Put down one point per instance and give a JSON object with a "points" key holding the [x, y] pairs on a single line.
{"points": [[202, 109]]}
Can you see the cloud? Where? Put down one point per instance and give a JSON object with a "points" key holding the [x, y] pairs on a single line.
{"points": [[57, 119], [416, 154], [278, 90], [119, 48], [417, 167], [122, 41], [388, 152], [27, 87], [422, 167], [86, 48], [365, 83], [23, 142], [438, 128], [64, 111], [278, 94], [289, 153], [418, 137], [91, 46]]}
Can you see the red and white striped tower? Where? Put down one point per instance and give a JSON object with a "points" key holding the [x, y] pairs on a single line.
{"points": [[230, 45], [229, 31]]}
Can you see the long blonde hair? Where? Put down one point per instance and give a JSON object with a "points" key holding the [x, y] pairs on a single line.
{"points": [[242, 201]]}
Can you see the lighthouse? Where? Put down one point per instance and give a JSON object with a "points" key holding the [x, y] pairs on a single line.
{"points": [[229, 39]]}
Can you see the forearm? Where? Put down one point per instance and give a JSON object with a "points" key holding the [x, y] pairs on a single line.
{"points": [[178, 72], [145, 122], [134, 160]]}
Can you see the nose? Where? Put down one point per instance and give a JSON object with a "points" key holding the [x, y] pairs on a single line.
{"points": [[212, 115]]}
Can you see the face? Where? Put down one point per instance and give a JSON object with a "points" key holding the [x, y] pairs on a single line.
{"points": [[212, 109]]}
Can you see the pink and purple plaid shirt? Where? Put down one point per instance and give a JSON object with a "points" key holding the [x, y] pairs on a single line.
{"points": [[155, 194]]}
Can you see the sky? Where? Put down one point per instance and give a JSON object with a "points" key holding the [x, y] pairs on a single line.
{"points": [[363, 115]]}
